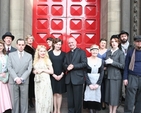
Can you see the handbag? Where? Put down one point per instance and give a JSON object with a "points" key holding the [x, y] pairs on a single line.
{"points": [[4, 79]]}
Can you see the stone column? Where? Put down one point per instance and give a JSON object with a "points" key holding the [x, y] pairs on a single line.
{"points": [[21, 18], [28, 17], [4, 16], [113, 17], [104, 19], [135, 18], [125, 15], [17, 18]]}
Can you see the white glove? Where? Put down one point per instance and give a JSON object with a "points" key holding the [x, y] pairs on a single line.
{"points": [[109, 61]]}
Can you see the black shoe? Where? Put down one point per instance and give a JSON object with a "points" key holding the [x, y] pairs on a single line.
{"points": [[31, 104], [123, 99], [103, 108]]}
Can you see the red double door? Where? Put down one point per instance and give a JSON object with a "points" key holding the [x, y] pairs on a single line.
{"points": [[65, 18]]}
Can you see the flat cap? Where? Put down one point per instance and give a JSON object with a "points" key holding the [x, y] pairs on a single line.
{"points": [[137, 38]]}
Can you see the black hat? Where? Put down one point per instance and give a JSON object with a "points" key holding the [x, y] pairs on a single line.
{"points": [[114, 36], [123, 32], [8, 34], [137, 38]]}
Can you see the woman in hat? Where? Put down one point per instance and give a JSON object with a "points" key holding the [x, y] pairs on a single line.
{"points": [[5, 102], [114, 64], [92, 94], [29, 48]]}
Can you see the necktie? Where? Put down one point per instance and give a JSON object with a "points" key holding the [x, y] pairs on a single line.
{"points": [[8, 50], [20, 55]]}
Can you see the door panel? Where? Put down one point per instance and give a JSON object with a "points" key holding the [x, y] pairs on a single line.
{"points": [[65, 18]]}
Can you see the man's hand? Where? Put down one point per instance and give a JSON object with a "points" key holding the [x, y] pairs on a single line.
{"points": [[125, 82], [70, 67], [18, 81]]}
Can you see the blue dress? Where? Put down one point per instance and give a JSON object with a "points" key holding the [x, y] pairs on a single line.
{"points": [[103, 57]]}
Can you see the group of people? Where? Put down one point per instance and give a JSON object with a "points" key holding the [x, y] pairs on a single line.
{"points": [[45, 74]]}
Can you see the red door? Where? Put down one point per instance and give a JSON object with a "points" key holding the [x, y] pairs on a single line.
{"points": [[65, 18]]}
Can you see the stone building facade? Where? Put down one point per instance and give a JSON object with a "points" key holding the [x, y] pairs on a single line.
{"points": [[116, 15]]}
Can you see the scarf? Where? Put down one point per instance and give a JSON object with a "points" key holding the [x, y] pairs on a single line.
{"points": [[132, 62]]}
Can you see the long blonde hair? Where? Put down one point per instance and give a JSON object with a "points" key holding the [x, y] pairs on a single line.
{"points": [[36, 56]]}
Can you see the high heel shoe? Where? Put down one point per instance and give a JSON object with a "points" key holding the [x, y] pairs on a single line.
{"points": [[103, 108], [91, 111]]}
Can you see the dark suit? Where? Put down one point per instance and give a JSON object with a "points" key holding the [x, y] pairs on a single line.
{"points": [[12, 50], [31, 94], [75, 79]]}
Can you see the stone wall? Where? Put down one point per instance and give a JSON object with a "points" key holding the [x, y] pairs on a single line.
{"points": [[110, 18]]}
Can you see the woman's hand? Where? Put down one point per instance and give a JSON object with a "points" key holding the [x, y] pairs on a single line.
{"points": [[96, 86], [3, 74], [38, 71]]}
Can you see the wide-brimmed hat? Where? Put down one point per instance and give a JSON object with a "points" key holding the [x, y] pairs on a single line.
{"points": [[8, 34], [123, 32], [137, 38]]}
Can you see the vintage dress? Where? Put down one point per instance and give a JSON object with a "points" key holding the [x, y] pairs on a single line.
{"points": [[57, 63], [5, 102], [93, 102], [43, 90]]}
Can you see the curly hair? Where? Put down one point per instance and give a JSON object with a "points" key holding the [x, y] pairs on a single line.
{"points": [[36, 56], [28, 36], [4, 50]]}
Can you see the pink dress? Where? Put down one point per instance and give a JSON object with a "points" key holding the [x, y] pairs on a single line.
{"points": [[5, 102]]}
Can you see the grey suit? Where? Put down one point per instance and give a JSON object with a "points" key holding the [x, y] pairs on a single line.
{"points": [[114, 77], [19, 68]]}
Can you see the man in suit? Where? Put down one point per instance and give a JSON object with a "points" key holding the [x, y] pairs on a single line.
{"points": [[19, 67], [8, 38], [75, 64]]}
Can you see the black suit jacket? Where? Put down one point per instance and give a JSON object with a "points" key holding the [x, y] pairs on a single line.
{"points": [[12, 50], [79, 60]]}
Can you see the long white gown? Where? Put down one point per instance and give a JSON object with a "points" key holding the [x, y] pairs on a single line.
{"points": [[43, 90]]}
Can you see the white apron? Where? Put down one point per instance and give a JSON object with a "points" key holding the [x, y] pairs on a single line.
{"points": [[93, 95]]}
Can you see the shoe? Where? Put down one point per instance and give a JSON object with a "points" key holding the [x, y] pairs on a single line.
{"points": [[31, 104], [123, 99], [103, 108]]}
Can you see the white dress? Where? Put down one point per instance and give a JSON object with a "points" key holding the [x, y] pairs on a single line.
{"points": [[43, 90], [93, 95]]}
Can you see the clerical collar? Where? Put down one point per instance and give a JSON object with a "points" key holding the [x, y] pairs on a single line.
{"points": [[72, 50]]}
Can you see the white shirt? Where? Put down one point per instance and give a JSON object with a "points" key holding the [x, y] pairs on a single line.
{"points": [[20, 54], [7, 47]]}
